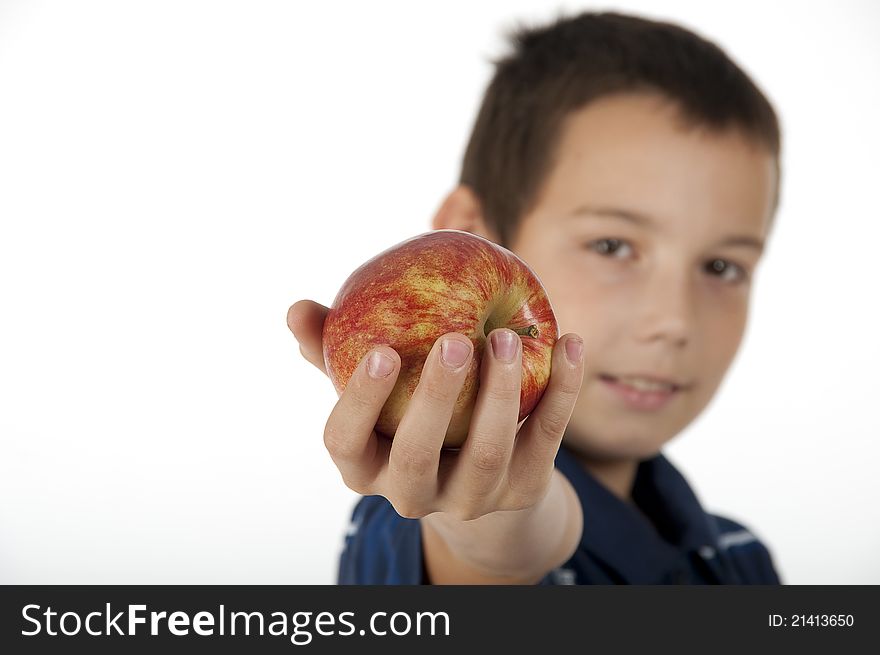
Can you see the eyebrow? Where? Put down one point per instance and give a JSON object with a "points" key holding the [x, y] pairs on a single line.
{"points": [[644, 220], [614, 212], [746, 241]]}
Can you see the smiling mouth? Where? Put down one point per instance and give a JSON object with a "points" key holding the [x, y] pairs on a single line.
{"points": [[642, 392], [645, 383]]}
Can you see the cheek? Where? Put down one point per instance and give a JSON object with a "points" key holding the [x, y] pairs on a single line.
{"points": [[586, 308], [722, 334]]}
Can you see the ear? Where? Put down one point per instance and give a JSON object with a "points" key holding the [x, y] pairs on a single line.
{"points": [[462, 210]]}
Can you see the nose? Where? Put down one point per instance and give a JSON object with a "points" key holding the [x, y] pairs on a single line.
{"points": [[666, 309]]}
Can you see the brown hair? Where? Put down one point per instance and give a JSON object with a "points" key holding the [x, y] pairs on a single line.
{"points": [[558, 68]]}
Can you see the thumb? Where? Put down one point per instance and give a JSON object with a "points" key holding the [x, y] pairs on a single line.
{"points": [[305, 319]]}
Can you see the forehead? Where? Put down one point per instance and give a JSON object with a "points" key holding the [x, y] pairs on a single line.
{"points": [[633, 151]]}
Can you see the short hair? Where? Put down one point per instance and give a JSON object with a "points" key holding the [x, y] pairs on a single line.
{"points": [[558, 68]]}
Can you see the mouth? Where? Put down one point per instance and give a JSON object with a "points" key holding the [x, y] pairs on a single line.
{"points": [[643, 391], [645, 382]]}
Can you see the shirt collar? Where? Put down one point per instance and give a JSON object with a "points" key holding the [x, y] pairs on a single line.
{"points": [[641, 550]]}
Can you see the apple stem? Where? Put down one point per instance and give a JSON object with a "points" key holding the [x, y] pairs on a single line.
{"points": [[531, 331]]}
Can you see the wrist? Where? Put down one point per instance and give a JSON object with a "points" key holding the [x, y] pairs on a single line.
{"points": [[516, 543]]}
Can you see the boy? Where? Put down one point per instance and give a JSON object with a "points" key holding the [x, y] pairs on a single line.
{"points": [[635, 168]]}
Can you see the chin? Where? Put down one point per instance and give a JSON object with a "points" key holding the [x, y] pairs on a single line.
{"points": [[594, 442]]}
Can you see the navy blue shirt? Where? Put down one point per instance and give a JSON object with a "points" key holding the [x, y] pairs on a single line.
{"points": [[667, 539]]}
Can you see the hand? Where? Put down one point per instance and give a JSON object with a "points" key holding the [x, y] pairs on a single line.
{"points": [[501, 466]]}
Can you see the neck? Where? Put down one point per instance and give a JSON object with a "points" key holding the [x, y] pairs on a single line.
{"points": [[616, 475]]}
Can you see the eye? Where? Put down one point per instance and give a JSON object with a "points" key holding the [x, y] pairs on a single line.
{"points": [[610, 248], [726, 271]]}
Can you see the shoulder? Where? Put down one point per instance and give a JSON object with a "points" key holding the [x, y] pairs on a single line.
{"points": [[380, 546], [749, 556], [733, 535]]}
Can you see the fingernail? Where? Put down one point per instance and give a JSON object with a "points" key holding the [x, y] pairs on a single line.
{"points": [[504, 344], [379, 365], [454, 353], [574, 348]]}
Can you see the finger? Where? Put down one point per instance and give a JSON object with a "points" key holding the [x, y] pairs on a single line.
{"points": [[486, 452], [541, 433], [349, 434], [415, 449], [305, 318]]}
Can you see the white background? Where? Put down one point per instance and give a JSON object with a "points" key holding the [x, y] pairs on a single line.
{"points": [[173, 175]]}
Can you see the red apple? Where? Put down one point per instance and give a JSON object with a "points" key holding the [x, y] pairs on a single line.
{"points": [[442, 281]]}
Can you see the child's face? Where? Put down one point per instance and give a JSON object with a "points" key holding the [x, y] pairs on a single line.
{"points": [[662, 293]]}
